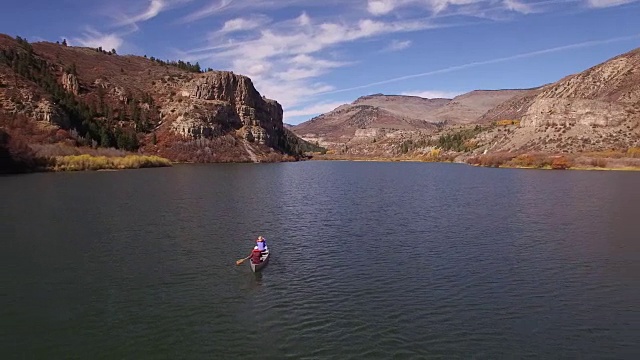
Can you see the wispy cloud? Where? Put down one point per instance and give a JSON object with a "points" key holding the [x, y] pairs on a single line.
{"points": [[381, 7], [211, 9], [608, 3], [284, 58], [492, 61], [435, 7], [287, 58], [93, 38], [397, 45], [518, 6], [244, 23], [217, 7], [433, 94], [139, 11], [152, 10]]}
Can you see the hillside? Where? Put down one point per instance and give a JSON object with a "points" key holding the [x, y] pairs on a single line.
{"points": [[373, 116], [53, 95], [468, 108], [596, 111], [370, 112]]}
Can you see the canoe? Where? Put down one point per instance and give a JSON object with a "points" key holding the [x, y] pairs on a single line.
{"points": [[265, 260]]}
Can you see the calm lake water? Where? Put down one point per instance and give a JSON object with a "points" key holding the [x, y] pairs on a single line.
{"points": [[370, 260]]}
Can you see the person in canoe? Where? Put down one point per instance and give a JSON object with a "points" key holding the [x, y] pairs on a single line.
{"points": [[256, 255], [261, 244]]}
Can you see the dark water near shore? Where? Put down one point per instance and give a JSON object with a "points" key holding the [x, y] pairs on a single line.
{"points": [[371, 260]]}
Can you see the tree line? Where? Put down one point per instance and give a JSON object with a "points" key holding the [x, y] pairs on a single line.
{"points": [[187, 66], [85, 118]]}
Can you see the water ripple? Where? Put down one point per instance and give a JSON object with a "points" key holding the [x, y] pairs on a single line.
{"points": [[388, 261]]}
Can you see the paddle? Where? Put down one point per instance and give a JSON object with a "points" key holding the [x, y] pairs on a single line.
{"points": [[238, 262]]}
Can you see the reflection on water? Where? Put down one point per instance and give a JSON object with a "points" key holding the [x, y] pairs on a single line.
{"points": [[371, 260]]}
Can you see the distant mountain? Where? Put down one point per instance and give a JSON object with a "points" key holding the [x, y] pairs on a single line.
{"points": [[398, 112], [372, 111], [595, 110], [467, 108]]}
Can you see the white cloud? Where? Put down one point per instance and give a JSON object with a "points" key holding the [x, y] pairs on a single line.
{"points": [[397, 45], [607, 3], [381, 7], [518, 6], [466, 7], [153, 9], [303, 19], [94, 39], [217, 7], [441, 5], [207, 11], [285, 58], [433, 94], [244, 24]]}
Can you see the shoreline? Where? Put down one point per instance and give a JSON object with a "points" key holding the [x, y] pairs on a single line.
{"points": [[580, 168], [85, 162]]}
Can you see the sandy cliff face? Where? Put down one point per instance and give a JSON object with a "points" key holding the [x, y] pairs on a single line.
{"points": [[468, 107], [595, 110], [607, 94]]}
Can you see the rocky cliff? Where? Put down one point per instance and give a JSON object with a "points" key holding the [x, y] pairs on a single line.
{"points": [[597, 109], [604, 95], [142, 104]]}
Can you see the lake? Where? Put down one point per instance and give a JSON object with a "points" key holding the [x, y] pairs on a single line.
{"points": [[370, 260]]}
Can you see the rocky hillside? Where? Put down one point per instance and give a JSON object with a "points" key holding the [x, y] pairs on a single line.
{"points": [[373, 116], [370, 113], [91, 97], [468, 108], [597, 110]]}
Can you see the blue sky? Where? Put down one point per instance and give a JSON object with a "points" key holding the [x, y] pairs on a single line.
{"points": [[313, 55]]}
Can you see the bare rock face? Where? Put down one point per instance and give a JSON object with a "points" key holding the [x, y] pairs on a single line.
{"points": [[70, 83], [550, 111], [48, 112], [220, 100]]}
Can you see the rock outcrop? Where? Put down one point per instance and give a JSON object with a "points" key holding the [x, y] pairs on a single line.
{"points": [[560, 111], [70, 83], [221, 100], [607, 94], [135, 103]]}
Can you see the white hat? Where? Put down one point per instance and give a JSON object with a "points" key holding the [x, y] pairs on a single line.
{"points": [[255, 247]]}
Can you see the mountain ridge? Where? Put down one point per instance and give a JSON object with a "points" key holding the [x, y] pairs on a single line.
{"points": [[595, 110]]}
